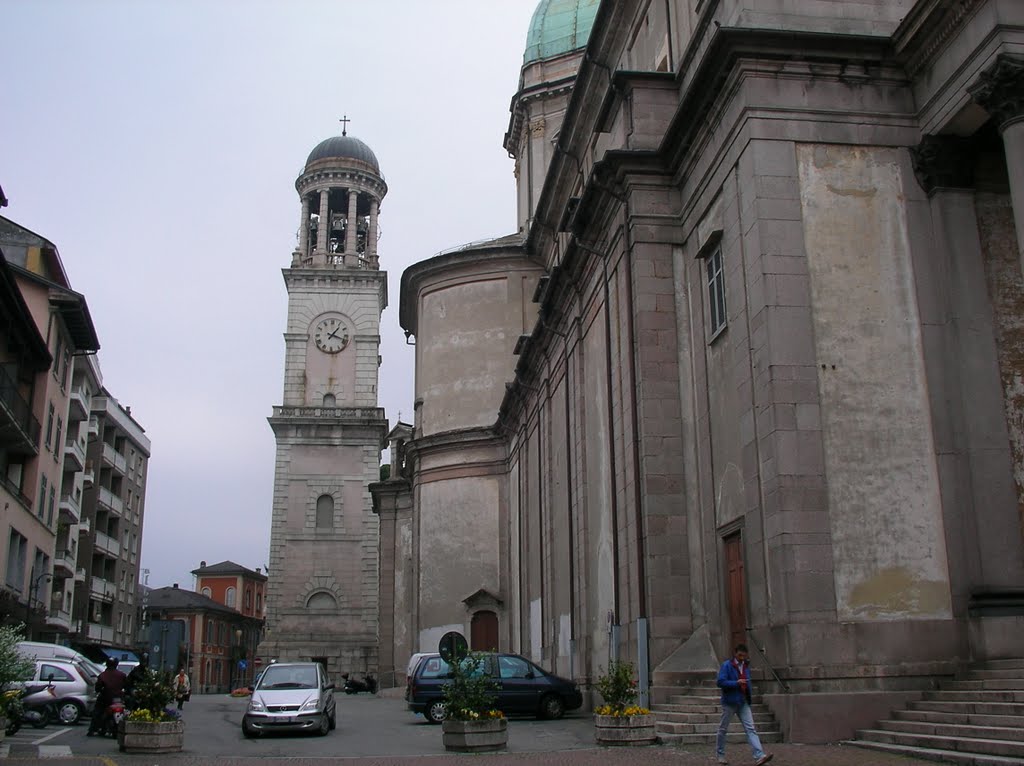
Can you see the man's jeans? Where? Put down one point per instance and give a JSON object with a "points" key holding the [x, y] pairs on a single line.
{"points": [[747, 719]]}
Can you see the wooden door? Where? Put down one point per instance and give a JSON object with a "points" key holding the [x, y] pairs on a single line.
{"points": [[483, 632], [735, 590]]}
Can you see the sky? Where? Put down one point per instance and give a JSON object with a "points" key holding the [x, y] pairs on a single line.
{"points": [[157, 145]]}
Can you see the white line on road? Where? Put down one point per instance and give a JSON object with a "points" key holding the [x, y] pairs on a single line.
{"points": [[48, 737]]}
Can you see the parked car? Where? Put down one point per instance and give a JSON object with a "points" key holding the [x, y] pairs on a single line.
{"points": [[74, 688], [523, 688], [291, 696]]}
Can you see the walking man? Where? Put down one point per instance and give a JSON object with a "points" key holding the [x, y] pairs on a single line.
{"points": [[734, 681]]}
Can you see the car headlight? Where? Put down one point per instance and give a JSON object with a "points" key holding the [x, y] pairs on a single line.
{"points": [[310, 704], [255, 706]]}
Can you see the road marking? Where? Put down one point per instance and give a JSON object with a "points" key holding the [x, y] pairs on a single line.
{"points": [[55, 751], [48, 737]]}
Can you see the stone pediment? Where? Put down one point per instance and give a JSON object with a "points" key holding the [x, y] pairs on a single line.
{"points": [[481, 599]]}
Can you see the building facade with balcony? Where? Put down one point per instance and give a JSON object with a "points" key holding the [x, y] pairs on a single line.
{"points": [[112, 510], [37, 401]]}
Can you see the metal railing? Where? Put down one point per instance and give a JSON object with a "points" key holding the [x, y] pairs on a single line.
{"points": [[18, 408], [760, 650]]}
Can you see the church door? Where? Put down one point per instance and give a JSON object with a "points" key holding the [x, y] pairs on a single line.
{"points": [[483, 634], [735, 590]]}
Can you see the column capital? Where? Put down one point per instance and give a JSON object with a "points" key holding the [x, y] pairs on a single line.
{"points": [[999, 90], [944, 162]]}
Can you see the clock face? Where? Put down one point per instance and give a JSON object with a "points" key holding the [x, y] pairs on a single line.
{"points": [[331, 335]]}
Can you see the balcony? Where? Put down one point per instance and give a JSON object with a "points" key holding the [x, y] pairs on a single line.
{"points": [[94, 427], [107, 544], [74, 453], [114, 459], [110, 501], [71, 507], [59, 620], [64, 563], [100, 633], [101, 589], [80, 574], [89, 474], [79, 405], [19, 429], [84, 526]]}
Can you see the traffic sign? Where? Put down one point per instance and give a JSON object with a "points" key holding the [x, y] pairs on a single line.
{"points": [[452, 646], [257, 661]]}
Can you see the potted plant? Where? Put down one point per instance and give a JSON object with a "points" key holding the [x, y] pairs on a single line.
{"points": [[620, 721], [471, 723], [14, 669], [151, 725]]}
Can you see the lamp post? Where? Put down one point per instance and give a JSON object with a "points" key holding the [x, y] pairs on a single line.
{"points": [[36, 579]]}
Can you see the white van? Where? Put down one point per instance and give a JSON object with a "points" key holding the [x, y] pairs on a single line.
{"points": [[38, 650]]}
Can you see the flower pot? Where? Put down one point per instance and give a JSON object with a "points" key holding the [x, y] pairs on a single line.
{"points": [[630, 730], [475, 736], [145, 737]]}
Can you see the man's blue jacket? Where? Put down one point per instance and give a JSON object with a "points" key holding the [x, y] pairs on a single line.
{"points": [[729, 683]]}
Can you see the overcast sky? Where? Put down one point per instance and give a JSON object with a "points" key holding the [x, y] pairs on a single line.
{"points": [[157, 145]]}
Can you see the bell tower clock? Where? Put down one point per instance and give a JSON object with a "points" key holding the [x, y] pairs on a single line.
{"points": [[323, 581]]}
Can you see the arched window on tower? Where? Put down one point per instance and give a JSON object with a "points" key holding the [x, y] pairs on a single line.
{"points": [[329, 400], [321, 600], [324, 512]]}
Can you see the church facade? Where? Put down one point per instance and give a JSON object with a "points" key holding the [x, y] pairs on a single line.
{"points": [[323, 578], [748, 370]]}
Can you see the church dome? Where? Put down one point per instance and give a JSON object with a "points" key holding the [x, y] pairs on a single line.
{"points": [[559, 26], [343, 147]]}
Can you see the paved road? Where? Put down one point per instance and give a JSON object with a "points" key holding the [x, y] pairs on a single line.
{"points": [[373, 731]]}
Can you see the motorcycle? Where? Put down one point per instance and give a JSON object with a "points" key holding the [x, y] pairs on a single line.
{"points": [[35, 714], [354, 685], [114, 713]]}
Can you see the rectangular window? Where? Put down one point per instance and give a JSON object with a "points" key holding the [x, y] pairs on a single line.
{"points": [[51, 504], [57, 443], [716, 291], [65, 368], [17, 550], [42, 497], [57, 355], [49, 425]]}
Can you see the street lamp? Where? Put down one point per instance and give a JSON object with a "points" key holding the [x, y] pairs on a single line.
{"points": [[33, 597]]}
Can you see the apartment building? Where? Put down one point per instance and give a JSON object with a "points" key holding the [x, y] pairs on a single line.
{"points": [[113, 507]]}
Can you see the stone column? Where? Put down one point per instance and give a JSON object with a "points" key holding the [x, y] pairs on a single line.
{"points": [[304, 227], [325, 223], [1000, 91], [371, 235], [350, 228]]}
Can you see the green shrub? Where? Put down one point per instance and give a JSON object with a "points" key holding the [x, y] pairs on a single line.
{"points": [[617, 686]]}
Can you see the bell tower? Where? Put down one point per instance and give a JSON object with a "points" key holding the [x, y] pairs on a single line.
{"points": [[323, 579]]}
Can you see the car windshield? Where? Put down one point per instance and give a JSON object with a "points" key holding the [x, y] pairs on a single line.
{"points": [[285, 677]]}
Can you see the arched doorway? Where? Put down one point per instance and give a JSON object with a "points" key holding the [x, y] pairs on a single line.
{"points": [[483, 632]]}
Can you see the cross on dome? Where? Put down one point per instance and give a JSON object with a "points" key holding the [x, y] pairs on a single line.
{"points": [[344, 124]]}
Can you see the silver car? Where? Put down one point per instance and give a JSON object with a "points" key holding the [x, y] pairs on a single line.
{"points": [[74, 688], [291, 696]]}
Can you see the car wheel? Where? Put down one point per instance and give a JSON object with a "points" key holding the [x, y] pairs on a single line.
{"points": [[552, 707], [325, 725], [334, 720], [247, 732], [69, 712], [435, 712]]}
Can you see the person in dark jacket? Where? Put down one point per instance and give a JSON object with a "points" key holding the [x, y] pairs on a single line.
{"points": [[109, 685], [734, 681]]}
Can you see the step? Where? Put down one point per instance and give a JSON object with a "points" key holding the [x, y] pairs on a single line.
{"points": [[935, 742], [981, 675], [999, 664], [972, 719], [709, 728], [679, 717], [931, 754], [962, 731], [677, 699], [948, 695], [983, 708], [988, 684], [733, 737]]}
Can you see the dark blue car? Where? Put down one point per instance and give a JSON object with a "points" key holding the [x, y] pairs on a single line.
{"points": [[523, 688]]}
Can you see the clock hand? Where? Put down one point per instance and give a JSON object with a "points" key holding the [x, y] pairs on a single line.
{"points": [[333, 334]]}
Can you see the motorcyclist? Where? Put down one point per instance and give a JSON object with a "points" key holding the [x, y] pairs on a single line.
{"points": [[110, 685], [133, 678]]}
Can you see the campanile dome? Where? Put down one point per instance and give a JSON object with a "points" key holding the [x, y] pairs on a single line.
{"points": [[559, 26]]}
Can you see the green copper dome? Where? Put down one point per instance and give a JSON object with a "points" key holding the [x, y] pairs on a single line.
{"points": [[559, 26]]}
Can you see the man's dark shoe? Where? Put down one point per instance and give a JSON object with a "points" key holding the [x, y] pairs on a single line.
{"points": [[764, 759]]}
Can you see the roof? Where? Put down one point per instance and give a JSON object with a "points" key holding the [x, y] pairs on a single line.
{"points": [[228, 568], [161, 599], [558, 27], [22, 332], [344, 147]]}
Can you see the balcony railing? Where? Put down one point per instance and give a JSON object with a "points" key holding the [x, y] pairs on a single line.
{"points": [[89, 474], [64, 563], [80, 574], [102, 589], [110, 501], [107, 544], [59, 619], [79, 405], [19, 429], [330, 413], [114, 459], [70, 508], [94, 426], [84, 526], [74, 453], [101, 633]]}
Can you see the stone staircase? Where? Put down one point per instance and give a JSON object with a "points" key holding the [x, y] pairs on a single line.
{"points": [[977, 720], [689, 715]]}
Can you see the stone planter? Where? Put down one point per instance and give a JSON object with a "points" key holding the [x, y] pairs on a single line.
{"points": [[475, 736], [629, 730], [144, 737], [3, 728]]}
